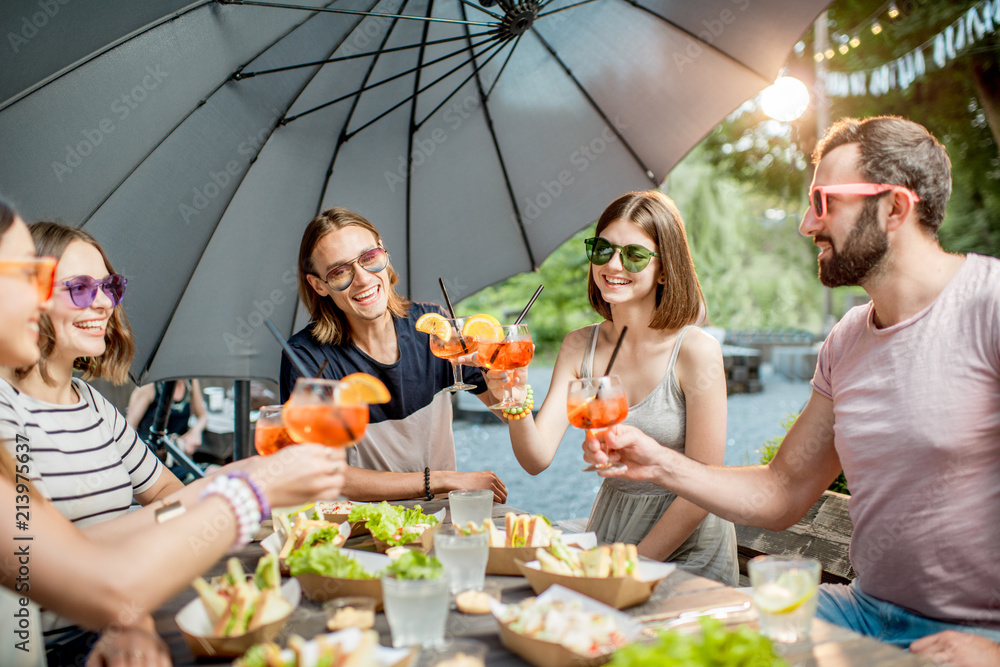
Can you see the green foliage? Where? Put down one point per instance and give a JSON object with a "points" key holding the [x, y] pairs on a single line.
{"points": [[562, 307], [770, 448]]}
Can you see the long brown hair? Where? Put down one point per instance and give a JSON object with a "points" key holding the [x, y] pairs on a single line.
{"points": [[52, 239], [679, 300], [329, 324]]}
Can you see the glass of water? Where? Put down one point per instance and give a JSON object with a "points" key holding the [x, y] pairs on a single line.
{"points": [[463, 557], [785, 592], [475, 505], [416, 609]]}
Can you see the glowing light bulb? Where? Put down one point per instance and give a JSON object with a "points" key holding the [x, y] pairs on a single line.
{"points": [[893, 10], [843, 48], [786, 99], [855, 42], [818, 57], [876, 28], [829, 53]]}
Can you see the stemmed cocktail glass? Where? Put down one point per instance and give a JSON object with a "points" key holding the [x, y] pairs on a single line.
{"points": [[594, 404], [315, 413], [269, 434], [514, 351], [449, 344]]}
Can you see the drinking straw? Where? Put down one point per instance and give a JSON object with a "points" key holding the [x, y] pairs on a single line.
{"points": [[451, 312], [614, 354], [520, 317], [525, 311], [289, 352]]}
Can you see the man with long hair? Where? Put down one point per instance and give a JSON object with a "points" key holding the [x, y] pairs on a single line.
{"points": [[359, 323]]}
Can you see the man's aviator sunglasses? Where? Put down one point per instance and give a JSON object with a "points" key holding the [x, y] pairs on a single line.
{"points": [[634, 257], [82, 290], [818, 195], [372, 261], [40, 272]]}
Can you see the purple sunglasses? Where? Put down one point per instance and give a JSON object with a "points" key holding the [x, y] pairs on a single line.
{"points": [[83, 289]]}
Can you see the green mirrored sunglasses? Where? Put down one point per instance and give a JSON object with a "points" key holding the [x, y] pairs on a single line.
{"points": [[634, 257]]}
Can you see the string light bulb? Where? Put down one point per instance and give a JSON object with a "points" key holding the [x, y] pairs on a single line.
{"points": [[876, 28], [893, 10], [818, 57], [829, 53], [855, 42], [843, 48]]}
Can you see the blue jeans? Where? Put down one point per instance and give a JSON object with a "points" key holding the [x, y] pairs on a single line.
{"points": [[850, 607]]}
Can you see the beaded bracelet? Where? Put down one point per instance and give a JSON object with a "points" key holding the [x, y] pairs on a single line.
{"points": [[525, 410], [427, 484], [241, 499], [264, 506]]}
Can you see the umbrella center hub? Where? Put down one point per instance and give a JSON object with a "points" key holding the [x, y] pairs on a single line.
{"points": [[519, 18]]}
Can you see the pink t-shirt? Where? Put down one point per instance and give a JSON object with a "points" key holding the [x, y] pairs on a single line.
{"points": [[917, 429]]}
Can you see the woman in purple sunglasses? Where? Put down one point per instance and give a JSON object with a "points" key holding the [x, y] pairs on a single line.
{"points": [[84, 456]]}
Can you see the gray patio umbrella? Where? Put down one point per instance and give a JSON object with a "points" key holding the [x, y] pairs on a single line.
{"points": [[195, 140]]}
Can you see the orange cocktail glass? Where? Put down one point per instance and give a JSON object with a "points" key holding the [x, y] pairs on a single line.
{"points": [[269, 434], [595, 404], [314, 413], [516, 350], [456, 345]]}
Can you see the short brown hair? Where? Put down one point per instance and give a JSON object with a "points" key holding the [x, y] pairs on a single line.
{"points": [[679, 300], [897, 151], [329, 325], [52, 239]]}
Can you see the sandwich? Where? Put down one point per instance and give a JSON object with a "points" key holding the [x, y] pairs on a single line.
{"points": [[522, 530], [616, 560], [300, 530], [236, 605]]}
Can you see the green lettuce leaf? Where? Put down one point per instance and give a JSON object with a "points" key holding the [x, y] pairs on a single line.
{"points": [[715, 646], [326, 560], [385, 521]]}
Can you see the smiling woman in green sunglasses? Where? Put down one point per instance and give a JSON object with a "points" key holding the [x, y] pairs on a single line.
{"points": [[642, 277]]}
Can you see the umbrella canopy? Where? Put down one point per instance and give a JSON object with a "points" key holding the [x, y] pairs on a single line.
{"points": [[196, 140]]}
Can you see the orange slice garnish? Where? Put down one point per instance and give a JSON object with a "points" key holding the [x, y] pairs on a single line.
{"points": [[484, 328], [362, 388], [434, 324]]}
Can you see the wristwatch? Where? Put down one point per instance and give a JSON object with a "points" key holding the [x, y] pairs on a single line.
{"points": [[168, 512]]}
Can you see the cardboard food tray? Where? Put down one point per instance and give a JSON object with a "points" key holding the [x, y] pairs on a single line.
{"points": [[274, 542], [543, 653], [320, 589], [357, 527], [196, 628], [502, 559], [424, 543], [617, 592]]}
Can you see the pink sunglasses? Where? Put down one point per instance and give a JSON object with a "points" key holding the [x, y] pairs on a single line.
{"points": [[817, 196]]}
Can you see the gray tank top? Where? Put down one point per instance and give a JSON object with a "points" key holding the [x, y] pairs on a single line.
{"points": [[625, 511]]}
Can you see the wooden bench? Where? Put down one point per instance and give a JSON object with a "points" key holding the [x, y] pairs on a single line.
{"points": [[824, 533]]}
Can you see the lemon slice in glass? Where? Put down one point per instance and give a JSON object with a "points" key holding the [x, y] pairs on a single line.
{"points": [[786, 593]]}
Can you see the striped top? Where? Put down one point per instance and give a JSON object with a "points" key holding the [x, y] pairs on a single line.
{"points": [[84, 457]]}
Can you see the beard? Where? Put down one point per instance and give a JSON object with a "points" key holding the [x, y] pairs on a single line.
{"points": [[862, 252]]}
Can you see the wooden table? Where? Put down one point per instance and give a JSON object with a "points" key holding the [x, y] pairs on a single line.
{"points": [[830, 646]]}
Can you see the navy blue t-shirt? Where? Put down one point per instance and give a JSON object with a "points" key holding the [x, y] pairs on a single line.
{"points": [[413, 381]]}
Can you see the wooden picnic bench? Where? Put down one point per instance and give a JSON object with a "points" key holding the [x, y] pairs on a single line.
{"points": [[824, 533]]}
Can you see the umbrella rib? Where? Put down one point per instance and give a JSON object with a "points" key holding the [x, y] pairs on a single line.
{"points": [[246, 75], [504, 66], [14, 99], [184, 120], [356, 93], [342, 139], [461, 85], [428, 19], [409, 151], [482, 9], [693, 36], [562, 9], [597, 108], [488, 117]]}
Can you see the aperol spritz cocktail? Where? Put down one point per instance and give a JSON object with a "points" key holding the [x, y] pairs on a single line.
{"points": [[269, 434], [449, 342], [595, 404], [515, 350], [318, 411]]}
